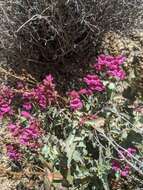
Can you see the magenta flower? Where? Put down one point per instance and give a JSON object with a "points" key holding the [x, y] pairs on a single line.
{"points": [[5, 108], [94, 83], [44, 94], [27, 106], [20, 85], [73, 94], [111, 65], [119, 73], [84, 91], [41, 98], [132, 151], [12, 152], [75, 101], [116, 166], [128, 154], [101, 63], [121, 59], [30, 134], [26, 114], [14, 129], [28, 95], [6, 97], [48, 80], [125, 171], [11, 126], [76, 104]]}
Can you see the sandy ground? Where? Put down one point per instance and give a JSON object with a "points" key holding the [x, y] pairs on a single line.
{"points": [[7, 184]]}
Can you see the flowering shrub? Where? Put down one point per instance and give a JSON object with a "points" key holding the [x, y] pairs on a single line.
{"points": [[44, 94], [6, 96], [87, 142], [112, 66]]}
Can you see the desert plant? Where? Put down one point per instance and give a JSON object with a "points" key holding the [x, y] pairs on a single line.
{"points": [[81, 142]]}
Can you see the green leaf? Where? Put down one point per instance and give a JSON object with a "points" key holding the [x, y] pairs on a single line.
{"points": [[117, 175], [70, 153], [81, 144], [23, 120], [112, 86], [77, 156], [124, 135], [70, 147], [45, 151]]}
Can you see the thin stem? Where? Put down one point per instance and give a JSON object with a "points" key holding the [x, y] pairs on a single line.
{"points": [[133, 166]]}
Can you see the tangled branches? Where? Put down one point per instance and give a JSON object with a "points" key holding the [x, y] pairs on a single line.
{"points": [[60, 36]]}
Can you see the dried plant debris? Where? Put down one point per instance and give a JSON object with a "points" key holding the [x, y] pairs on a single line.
{"points": [[58, 36]]}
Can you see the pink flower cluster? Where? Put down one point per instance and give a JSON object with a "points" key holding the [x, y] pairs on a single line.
{"points": [[13, 152], [109, 64], [112, 65], [94, 83], [27, 136], [30, 135], [75, 102], [117, 166], [128, 154], [44, 94], [6, 96], [15, 129]]}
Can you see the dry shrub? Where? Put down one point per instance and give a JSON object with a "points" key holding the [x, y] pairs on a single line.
{"points": [[60, 36]]}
